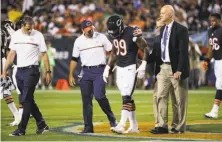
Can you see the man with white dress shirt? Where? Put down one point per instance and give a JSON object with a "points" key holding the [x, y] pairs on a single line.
{"points": [[174, 71], [28, 44], [91, 48]]}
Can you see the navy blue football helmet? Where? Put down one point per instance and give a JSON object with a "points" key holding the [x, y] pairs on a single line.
{"points": [[8, 27], [115, 26]]}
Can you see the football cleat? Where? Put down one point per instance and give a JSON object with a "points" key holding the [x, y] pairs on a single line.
{"points": [[42, 130], [17, 132], [211, 114], [119, 129], [113, 125], [132, 130]]}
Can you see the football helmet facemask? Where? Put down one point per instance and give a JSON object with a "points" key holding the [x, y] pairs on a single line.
{"points": [[115, 26], [8, 27]]}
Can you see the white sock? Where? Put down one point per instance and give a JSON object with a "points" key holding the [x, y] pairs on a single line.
{"points": [[14, 110], [215, 108], [124, 117], [132, 119], [20, 111]]}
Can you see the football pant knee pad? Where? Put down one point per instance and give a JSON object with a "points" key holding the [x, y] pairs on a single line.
{"points": [[128, 103], [8, 99]]}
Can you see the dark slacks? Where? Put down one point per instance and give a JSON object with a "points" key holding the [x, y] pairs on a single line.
{"points": [[27, 78], [92, 84]]}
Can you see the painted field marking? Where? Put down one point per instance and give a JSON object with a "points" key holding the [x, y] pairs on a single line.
{"points": [[108, 92], [75, 129]]}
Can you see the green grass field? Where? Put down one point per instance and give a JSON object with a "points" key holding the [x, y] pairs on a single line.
{"points": [[62, 108]]}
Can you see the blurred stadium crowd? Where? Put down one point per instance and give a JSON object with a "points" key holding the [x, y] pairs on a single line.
{"points": [[64, 16], [58, 18]]}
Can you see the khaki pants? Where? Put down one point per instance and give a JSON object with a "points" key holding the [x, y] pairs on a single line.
{"points": [[180, 87], [174, 107]]}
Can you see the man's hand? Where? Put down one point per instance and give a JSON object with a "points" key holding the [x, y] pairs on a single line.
{"points": [[141, 70], [106, 73], [3, 75], [177, 75], [72, 81], [48, 78], [205, 65]]}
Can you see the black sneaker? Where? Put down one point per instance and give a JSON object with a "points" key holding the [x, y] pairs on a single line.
{"points": [[153, 130], [42, 130], [17, 132], [159, 130], [174, 131], [87, 130]]}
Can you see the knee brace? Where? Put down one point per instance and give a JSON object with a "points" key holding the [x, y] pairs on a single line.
{"points": [[8, 99], [218, 95], [128, 103]]}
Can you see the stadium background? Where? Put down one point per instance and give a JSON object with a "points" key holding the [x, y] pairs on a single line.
{"points": [[59, 21]]}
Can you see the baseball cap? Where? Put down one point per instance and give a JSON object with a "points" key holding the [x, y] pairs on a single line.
{"points": [[86, 25]]}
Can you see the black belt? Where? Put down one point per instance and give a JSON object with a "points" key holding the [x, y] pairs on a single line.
{"points": [[29, 67], [98, 66], [168, 63]]}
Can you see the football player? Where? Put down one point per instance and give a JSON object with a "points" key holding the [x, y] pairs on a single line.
{"points": [[125, 48], [7, 29], [215, 51]]}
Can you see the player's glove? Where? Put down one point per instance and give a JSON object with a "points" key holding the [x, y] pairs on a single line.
{"points": [[141, 70], [106, 73], [205, 64], [137, 32]]}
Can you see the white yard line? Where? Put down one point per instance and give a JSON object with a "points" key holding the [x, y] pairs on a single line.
{"points": [[117, 91]]}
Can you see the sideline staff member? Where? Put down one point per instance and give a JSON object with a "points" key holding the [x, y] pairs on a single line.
{"points": [[174, 71], [91, 47], [27, 44]]}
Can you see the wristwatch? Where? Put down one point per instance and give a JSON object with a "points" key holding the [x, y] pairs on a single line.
{"points": [[48, 71]]}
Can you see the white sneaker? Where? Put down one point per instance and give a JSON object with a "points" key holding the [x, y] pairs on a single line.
{"points": [[50, 87], [211, 114], [14, 123], [113, 125], [43, 87], [132, 130], [119, 129]]}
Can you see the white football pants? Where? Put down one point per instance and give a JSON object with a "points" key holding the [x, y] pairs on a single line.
{"points": [[126, 79], [218, 74]]}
